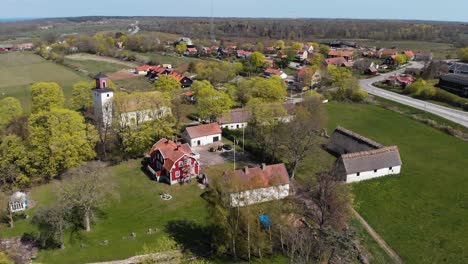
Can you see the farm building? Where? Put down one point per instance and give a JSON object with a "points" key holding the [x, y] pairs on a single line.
{"points": [[365, 165], [257, 185], [202, 135], [171, 162], [235, 119], [361, 158]]}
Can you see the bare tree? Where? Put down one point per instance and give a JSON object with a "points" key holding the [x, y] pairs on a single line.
{"points": [[86, 190], [300, 135], [52, 222]]}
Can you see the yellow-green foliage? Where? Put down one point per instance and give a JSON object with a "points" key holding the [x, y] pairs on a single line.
{"points": [[46, 95]]}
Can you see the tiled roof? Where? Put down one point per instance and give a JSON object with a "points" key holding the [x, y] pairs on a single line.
{"points": [[203, 130], [145, 67], [338, 61], [261, 177], [241, 115], [171, 151], [340, 53]]}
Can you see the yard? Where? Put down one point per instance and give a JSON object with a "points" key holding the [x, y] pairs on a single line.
{"points": [[18, 70], [422, 212], [138, 209]]}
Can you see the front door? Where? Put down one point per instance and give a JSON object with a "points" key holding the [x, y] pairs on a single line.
{"points": [[198, 143], [215, 139]]}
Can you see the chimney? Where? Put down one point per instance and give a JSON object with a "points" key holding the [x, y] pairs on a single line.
{"points": [[246, 169], [167, 141], [263, 166]]}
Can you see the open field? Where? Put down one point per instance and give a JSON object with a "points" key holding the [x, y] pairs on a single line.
{"points": [[93, 64], [18, 70], [421, 212], [138, 209], [440, 50], [157, 58]]}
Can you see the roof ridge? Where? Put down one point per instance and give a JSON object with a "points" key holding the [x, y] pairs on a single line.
{"points": [[369, 152], [358, 136]]}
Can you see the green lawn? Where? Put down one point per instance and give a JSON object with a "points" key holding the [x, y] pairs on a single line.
{"points": [[138, 209], [176, 61], [422, 212], [18, 70], [94, 67]]}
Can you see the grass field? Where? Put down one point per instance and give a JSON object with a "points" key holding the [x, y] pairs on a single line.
{"points": [[440, 50], [138, 209], [176, 61], [422, 212], [18, 70]]}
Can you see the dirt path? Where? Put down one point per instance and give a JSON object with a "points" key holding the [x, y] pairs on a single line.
{"points": [[84, 56], [391, 253]]}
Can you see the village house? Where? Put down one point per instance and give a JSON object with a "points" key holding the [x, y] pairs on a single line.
{"points": [[171, 162], [257, 185], [421, 55], [338, 61], [390, 60], [454, 83], [409, 54], [361, 158], [191, 52], [302, 55], [143, 69], [401, 80], [346, 54], [202, 135], [384, 53], [275, 72], [242, 54], [458, 68], [315, 79], [155, 71], [235, 119]]}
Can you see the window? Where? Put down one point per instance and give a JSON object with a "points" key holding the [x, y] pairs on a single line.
{"points": [[107, 95], [181, 163], [391, 168], [375, 170], [358, 173], [177, 174]]}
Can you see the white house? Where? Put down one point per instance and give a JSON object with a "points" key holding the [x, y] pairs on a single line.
{"points": [[235, 119], [257, 185], [361, 158], [202, 135], [365, 165], [143, 69], [18, 202]]}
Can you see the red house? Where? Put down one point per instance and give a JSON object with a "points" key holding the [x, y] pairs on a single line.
{"points": [[172, 163]]}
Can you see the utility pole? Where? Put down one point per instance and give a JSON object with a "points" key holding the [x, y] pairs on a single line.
{"points": [[234, 153]]}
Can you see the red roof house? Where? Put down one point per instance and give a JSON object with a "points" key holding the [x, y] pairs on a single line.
{"points": [[257, 185], [172, 163], [401, 80], [339, 61], [202, 135]]}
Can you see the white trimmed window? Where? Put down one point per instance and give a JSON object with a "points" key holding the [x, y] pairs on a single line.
{"points": [[177, 173], [181, 163]]}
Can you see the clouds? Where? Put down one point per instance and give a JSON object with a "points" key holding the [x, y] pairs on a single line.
{"points": [[453, 10]]}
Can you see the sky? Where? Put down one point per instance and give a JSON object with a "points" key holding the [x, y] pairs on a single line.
{"points": [[446, 10]]}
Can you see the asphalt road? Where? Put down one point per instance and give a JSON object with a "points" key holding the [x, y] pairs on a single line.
{"points": [[453, 115]]}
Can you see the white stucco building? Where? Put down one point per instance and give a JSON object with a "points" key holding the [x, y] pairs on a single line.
{"points": [[102, 99], [269, 183], [361, 158], [18, 202], [202, 135]]}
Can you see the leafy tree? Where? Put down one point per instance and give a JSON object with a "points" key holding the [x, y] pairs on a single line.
{"points": [[318, 60], [82, 97], [280, 45], [463, 54], [401, 59], [301, 134], [59, 139], [296, 46], [46, 95], [86, 191], [4, 259], [259, 46], [52, 222], [257, 60], [181, 48], [168, 84], [269, 90], [218, 72], [324, 50], [337, 76], [9, 109], [212, 103]]}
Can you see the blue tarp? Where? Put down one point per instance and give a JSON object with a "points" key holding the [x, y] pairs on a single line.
{"points": [[265, 221]]}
